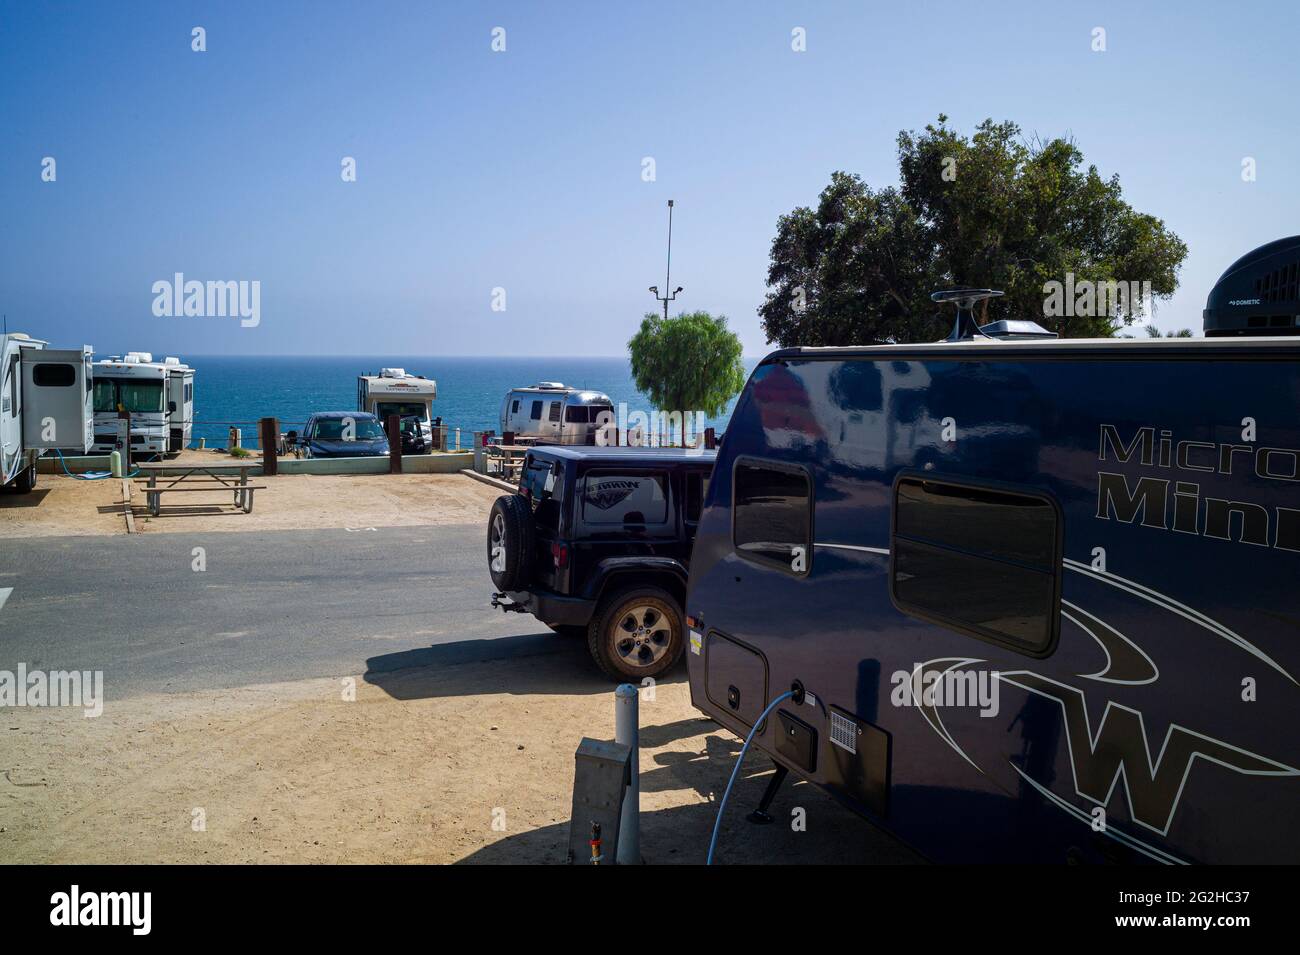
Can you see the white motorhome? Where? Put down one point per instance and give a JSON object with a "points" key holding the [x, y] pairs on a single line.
{"points": [[553, 412], [45, 403], [159, 395], [393, 391]]}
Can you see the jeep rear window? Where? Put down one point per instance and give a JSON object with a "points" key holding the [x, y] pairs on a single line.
{"points": [[619, 498]]}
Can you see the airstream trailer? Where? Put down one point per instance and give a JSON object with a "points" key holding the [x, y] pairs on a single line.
{"points": [[554, 413], [1032, 600], [45, 403]]}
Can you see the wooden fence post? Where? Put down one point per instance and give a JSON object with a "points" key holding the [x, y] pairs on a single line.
{"points": [[394, 427], [270, 447]]}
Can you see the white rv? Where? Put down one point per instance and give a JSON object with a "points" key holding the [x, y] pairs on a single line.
{"points": [[159, 395], [45, 403], [551, 411], [393, 391]]}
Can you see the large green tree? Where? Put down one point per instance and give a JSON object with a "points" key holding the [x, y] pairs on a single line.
{"points": [[691, 362], [991, 210]]}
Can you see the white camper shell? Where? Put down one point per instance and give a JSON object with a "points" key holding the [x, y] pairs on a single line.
{"points": [[552, 412], [159, 395], [394, 391], [45, 403]]}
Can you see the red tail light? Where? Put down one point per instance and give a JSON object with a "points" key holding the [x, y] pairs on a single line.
{"points": [[560, 554]]}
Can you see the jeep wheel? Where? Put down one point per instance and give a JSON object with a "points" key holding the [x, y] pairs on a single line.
{"points": [[636, 633], [510, 543]]}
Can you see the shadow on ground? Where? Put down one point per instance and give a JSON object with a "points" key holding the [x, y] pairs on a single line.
{"points": [[431, 672], [10, 498], [831, 834]]}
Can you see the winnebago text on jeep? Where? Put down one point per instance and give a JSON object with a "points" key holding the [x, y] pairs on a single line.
{"points": [[599, 539]]}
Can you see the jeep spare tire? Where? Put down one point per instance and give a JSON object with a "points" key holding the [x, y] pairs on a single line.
{"points": [[510, 543]]}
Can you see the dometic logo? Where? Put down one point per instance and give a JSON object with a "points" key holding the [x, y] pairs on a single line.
{"points": [[1244, 301], [103, 908], [1153, 503], [608, 493]]}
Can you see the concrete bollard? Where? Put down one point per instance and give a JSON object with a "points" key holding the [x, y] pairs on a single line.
{"points": [[627, 732]]}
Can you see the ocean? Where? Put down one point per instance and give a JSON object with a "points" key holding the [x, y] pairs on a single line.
{"points": [[240, 390]]}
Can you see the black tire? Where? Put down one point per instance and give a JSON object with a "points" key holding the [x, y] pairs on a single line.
{"points": [[510, 527], [25, 482], [623, 635]]}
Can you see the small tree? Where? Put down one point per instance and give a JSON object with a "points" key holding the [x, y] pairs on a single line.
{"points": [[687, 363]]}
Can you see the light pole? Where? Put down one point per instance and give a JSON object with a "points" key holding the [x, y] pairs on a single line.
{"points": [[654, 289]]}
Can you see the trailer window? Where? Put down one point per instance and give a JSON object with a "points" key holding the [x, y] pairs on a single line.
{"points": [[11, 388], [514, 407], [555, 411], [537, 411], [772, 513], [978, 560], [48, 375]]}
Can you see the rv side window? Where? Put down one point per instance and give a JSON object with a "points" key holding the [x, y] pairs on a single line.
{"points": [[537, 411], [772, 514], [48, 375], [11, 394], [514, 407], [577, 414], [980, 561], [555, 411]]}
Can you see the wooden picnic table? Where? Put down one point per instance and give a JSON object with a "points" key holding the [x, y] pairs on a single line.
{"points": [[212, 477], [509, 456]]}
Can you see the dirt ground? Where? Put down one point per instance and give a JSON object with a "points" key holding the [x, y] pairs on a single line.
{"points": [[64, 506], [417, 768]]}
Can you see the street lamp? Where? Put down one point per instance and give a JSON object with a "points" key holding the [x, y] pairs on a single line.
{"points": [[654, 289]]}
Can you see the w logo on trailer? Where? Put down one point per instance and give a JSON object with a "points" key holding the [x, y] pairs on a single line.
{"points": [[1108, 745]]}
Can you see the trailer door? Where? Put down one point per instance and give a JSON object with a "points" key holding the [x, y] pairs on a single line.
{"points": [[58, 409]]}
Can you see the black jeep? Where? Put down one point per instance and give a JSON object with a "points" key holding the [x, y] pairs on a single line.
{"points": [[598, 540]]}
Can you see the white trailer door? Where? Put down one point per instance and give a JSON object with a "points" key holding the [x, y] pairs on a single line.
{"points": [[58, 410]]}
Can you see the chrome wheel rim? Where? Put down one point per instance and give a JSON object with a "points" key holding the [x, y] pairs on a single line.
{"points": [[642, 635], [498, 562]]}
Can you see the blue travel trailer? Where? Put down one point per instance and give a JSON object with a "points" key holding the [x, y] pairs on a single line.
{"points": [[1039, 600]]}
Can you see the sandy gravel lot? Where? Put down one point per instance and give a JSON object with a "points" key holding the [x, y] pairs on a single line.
{"points": [[412, 770], [64, 506]]}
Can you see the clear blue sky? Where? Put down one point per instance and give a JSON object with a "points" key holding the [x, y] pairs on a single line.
{"points": [[522, 169]]}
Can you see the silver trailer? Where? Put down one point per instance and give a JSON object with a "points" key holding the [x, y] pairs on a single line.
{"points": [[554, 413]]}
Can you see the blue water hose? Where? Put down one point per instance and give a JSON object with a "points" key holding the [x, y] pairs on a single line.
{"points": [[89, 475], [736, 772]]}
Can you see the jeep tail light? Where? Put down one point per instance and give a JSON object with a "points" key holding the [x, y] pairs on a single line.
{"points": [[560, 554]]}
